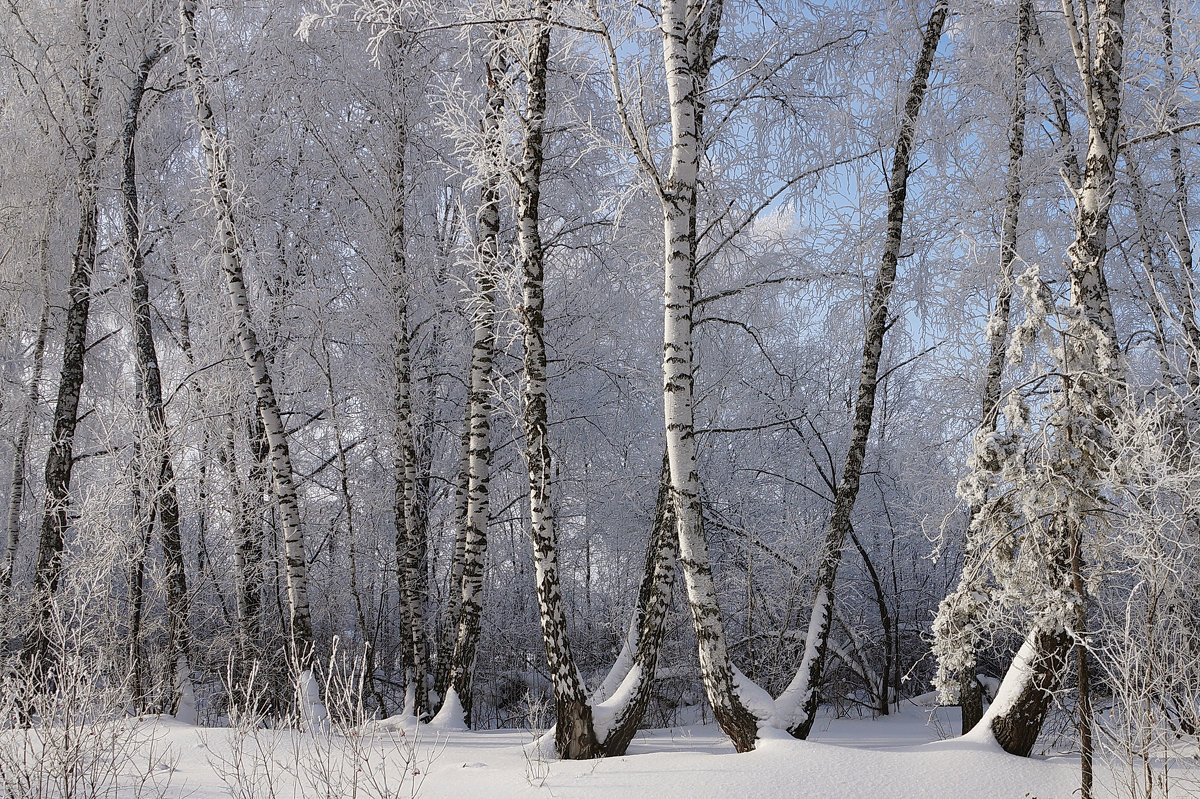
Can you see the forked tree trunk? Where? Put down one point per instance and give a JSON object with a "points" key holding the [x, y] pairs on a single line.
{"points": [[156, 448], [216, 159], [410, 513], [60, 457], [799, 702], [630, 691], [689, 32], [1092, 375], [479, 401]]}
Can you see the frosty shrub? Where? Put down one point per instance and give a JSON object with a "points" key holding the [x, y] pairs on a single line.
{"points": [[68, 736], [342, 755]]}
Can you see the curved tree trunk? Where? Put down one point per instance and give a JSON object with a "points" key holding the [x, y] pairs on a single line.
{"points": [[799, 702], [630, 694], [1091, 363], [156, 455], [970, 692]]}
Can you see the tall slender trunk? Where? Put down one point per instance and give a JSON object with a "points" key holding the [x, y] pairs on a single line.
{"points": [[689, 31], [454, 591], [479, 398], [215, 156], [343, 468], [60, 458], [800, 700], [649, 625], [16, 485], [247, 563], [164, 496], [410, 513], [970, 692], [574, 735], [1185, 287]]}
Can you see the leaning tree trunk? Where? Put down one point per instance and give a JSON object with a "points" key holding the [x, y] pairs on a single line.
{"points": [[689, 31], [574, 735], [799, 702], [630, 690], [16, 485], [215, 156], [164, 497], [60, 457], [479, 400], [970, 693], [1092, 376]]}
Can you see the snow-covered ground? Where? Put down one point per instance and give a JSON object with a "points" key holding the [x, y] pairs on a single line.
{"points": [[900, 757]]}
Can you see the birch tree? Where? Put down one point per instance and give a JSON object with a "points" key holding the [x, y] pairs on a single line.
{"points": [[479, 395], [91, 24], [1054, 489], [216, 162]]}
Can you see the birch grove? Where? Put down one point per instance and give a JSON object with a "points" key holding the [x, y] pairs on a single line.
{"points": [[428, 344]]}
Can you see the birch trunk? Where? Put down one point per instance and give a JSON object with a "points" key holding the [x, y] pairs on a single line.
{"points": [[479, 400], [454, 591], [689, 30], [1092, 374], [631, 692], [799, 702], [215, 156], [16, 485], [574, 734], [410, 514], [60, 457], [969, 690], [164, 498], [1185, 289]]}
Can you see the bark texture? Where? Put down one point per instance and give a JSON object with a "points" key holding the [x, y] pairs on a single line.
{"points": [[216, 160], [689, 33], [1091, 366], [479, 398], [970, 691], [156, 445]]}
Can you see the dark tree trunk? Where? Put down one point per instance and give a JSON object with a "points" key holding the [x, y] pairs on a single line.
{"points": [[801, 697]]}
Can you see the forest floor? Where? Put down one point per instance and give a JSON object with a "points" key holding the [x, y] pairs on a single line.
{"points": [[904, 756]]}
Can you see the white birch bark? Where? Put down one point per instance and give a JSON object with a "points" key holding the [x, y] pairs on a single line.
{"points": [[574, 734], [961, 611], [215, 157], [1091, 385], [689, 31], [479, 399]]}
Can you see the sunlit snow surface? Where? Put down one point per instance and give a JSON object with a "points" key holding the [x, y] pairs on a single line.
{"points": [[900, 757]]}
